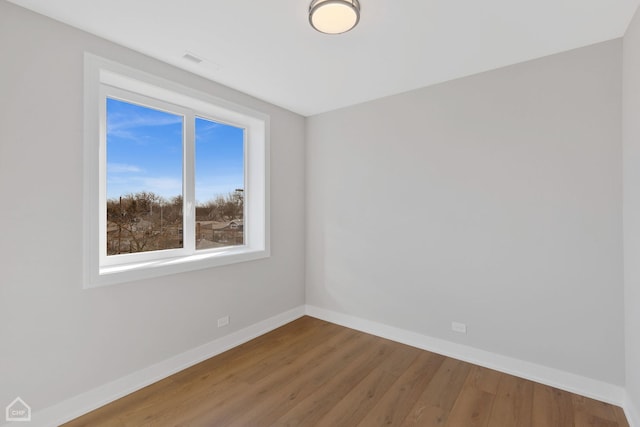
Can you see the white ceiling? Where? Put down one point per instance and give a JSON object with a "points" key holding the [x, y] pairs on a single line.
{"points": [[266, 48]]}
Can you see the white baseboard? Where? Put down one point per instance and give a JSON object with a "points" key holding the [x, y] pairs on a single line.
{"points": [[632, 412], [542, 374], [93, 399]]}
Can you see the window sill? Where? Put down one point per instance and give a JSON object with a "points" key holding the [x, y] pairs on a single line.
{"points": [[149, 269]]}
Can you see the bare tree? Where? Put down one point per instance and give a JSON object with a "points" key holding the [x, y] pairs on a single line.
{"points": [[225, 208], [142, 222]]}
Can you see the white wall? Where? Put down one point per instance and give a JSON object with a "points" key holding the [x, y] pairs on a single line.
{"points": [[494, 200], [57, 340], [631, 148]]}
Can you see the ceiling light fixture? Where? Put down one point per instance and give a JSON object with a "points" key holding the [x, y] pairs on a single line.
{"points": [[334, 16]]}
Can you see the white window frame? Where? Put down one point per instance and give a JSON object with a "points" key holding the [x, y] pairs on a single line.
{"points": [[105, 78]]}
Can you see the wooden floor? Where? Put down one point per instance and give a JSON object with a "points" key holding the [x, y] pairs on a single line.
{"points": [[314, 373]]}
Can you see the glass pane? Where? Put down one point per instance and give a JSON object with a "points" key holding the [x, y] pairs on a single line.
{"points": [[144, 178], [219, 185]]}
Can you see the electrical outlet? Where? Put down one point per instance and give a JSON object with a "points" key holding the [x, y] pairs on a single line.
{"points": [[223, 321], [459, 327]]}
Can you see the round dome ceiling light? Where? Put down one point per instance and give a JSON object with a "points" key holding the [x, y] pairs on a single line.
{"points": [[334, 16]]}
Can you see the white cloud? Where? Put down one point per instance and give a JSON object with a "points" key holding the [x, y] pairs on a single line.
{"points": [[163, 185], [166, 187], [121, 125], [123, 168]]}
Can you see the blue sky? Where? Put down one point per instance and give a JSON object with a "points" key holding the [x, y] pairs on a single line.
{"points": [[144, 153]]}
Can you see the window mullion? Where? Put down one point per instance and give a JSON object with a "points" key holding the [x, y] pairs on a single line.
{"points": [[189, 207]]}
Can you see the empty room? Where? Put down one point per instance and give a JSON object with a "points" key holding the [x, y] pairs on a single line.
{"points": [[320, 213]]}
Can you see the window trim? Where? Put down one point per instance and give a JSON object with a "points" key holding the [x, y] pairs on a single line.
{"points": [[102, 77]]}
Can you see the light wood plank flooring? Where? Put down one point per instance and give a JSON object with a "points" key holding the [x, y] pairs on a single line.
{"points": [[313, 373]]}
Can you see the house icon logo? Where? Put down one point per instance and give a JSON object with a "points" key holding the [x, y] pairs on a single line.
{"points": [[18, 410]]}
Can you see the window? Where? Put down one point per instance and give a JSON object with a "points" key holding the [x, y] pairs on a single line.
{"points": [[175, 179]]}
